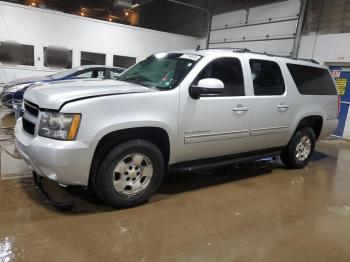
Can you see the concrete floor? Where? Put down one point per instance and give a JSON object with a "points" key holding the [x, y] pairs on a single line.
{"points": [[258, 212]]}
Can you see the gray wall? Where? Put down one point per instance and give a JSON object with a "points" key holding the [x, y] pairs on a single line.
{"points": [[327, 17]]}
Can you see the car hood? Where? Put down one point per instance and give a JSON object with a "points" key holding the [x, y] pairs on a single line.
{"points": [[54, 94], [28, 80]]}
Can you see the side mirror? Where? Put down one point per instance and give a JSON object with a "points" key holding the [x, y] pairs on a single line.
{"points": [[207, 86]]}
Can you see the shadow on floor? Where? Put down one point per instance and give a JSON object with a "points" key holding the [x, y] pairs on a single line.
{"points": [[87, 202]]}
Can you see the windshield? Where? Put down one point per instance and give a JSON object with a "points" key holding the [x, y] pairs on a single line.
{"points": [[65, 73], [163, 71]]}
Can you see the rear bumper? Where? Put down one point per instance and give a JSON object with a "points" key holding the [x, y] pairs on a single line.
{"points": [[328, 127], [66, 162]]}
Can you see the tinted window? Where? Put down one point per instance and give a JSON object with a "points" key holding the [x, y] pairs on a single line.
{"points": [[229, 71], [28, 55], [13, 53], [57, 57], [123, 61], [88, 58], [312, 80], [267, 78]]}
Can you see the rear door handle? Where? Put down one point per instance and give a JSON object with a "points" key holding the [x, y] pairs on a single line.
{"points": [[240, 108], [283, 106]]}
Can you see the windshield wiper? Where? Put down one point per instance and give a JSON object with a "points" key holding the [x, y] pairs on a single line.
{"points": [[140, 83]]}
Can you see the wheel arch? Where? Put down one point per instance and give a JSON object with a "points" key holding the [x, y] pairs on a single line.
{"points": [[314, 121], [156, 135]]}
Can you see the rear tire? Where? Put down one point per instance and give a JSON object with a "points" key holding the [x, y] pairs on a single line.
{"points": [[129, 174], [300, 148]]}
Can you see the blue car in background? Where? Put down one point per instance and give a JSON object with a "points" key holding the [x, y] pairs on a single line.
{"points": [[13, 91]]}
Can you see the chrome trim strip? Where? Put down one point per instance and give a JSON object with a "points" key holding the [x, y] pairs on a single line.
{"points": [[216, 137], [269, 131]]}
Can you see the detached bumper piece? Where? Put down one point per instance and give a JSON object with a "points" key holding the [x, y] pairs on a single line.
{"points": [[61, 206]]}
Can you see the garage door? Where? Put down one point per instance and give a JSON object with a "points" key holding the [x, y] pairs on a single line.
{"points": [[269, 28]]}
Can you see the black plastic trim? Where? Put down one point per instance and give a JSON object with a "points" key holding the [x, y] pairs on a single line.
{"points": [[207, 163]]}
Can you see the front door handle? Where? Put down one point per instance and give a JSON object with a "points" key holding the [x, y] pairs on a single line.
{"points": [[240, 108], [283, 106]]}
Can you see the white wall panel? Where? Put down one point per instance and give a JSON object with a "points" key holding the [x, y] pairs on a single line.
{"points": [[40, 27], [277, 47], [276, 10], [258, 31], [331, 48], [228, 19]]}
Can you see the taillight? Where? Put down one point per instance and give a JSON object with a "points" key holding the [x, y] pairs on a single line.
{"points": [[339, 101]]}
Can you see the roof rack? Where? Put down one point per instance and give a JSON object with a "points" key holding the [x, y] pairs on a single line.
{"points": [[246, 50], [234, 49]]}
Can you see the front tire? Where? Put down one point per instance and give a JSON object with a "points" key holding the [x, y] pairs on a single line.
{"points": [[130, 174], [300, 149]]}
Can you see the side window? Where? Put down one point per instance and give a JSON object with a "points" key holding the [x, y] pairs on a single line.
{"points": [[115, 73], [28, 55], [13, 53], [229, 71], [57, 57], [123, 61], [88, 58], [312, 80], [91, 74], [267, 78]]}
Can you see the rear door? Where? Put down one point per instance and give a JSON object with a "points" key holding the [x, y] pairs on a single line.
{"points": [[270, 105]]}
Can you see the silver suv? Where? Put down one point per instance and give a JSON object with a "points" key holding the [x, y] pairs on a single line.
{"points": [[185, 110]]}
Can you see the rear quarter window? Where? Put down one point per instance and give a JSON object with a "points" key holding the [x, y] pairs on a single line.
{"points": [[312, 80]]}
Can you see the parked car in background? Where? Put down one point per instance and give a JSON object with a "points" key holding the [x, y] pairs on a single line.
{"points": [[13, 91]]}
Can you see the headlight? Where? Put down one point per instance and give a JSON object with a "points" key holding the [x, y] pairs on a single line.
{"points": [[16, 88], [59, 126]]}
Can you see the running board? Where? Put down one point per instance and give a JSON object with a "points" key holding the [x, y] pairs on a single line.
{"points": [[203, 164]]}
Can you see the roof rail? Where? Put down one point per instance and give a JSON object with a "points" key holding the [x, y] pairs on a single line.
{"points": [[234, 49], [246, 50], [308, 60]]}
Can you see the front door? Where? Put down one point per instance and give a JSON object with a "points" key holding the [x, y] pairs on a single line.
{"points": [[214, 126]]}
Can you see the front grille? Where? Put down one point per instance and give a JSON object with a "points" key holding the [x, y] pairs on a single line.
{"points": [[29, 127], [31, 108]]}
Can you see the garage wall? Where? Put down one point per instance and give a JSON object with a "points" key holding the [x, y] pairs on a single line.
{"points": [[39, 27], [328, 48], [269, 28], [326, 31]]}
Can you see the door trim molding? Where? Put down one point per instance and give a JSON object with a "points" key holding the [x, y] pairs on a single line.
{"points": [[215, 136], [269, 131]]}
